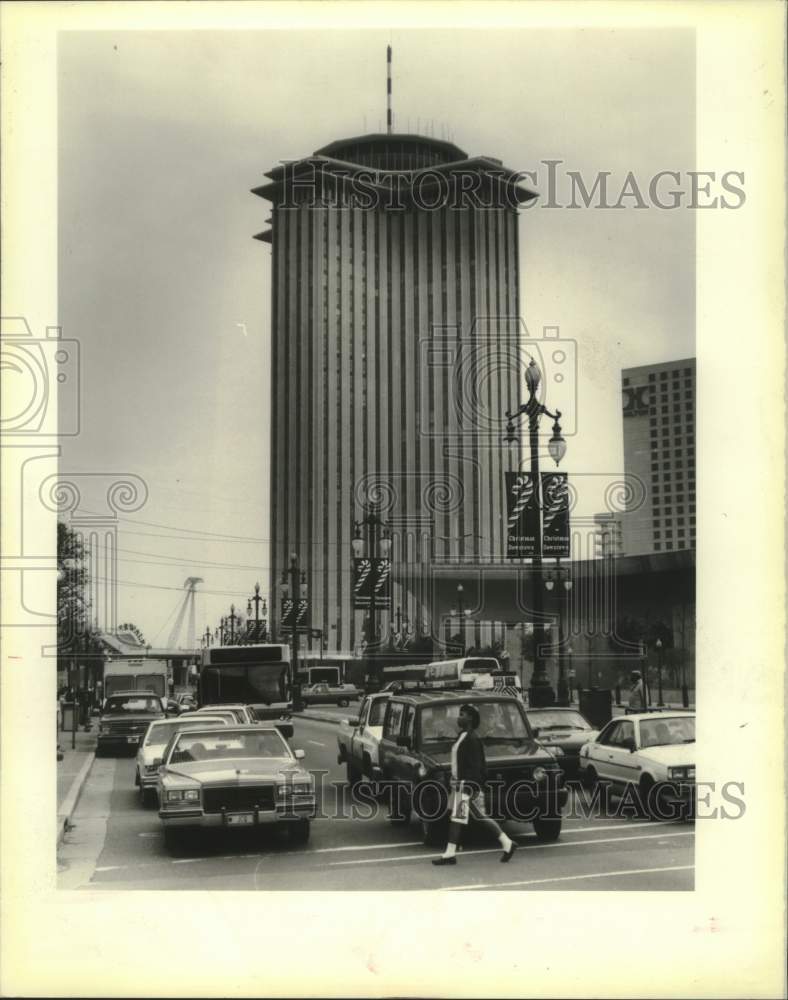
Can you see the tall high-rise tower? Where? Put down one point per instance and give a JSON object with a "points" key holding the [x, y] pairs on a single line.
{"points": [[395, 259]]}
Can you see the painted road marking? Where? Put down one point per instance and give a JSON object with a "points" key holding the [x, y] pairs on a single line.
{"points": [[390, 846], [315, 743], [496, 850], [568, 878]]}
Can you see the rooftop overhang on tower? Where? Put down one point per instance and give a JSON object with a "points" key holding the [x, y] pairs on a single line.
{"points": [[394, 172]]}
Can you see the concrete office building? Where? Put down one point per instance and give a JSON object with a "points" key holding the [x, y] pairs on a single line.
{"points": [[659, 451], [385, 249]]}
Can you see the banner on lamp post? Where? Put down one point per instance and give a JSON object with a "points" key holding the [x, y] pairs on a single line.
{"points": [[522, 521], [555, 514], [362, 583], [303, 616], [381, 587], [286, 614]]}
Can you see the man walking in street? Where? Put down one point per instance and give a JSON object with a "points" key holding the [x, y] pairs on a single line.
{"points": [[468, 772]]}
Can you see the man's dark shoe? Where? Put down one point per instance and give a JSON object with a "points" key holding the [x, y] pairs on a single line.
{"points": [[444, 861], [507, 855]]}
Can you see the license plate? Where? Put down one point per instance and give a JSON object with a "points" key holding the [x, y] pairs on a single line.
{"points": [[132, 739], [241, 819]]}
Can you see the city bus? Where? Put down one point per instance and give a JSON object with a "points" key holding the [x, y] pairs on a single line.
{"points": [[257, 675], [329, 667], [479, 672]]}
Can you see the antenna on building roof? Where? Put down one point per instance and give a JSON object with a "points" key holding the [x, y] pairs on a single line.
{"points": [[388, 89]]}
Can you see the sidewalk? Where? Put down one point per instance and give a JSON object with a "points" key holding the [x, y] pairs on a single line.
{"points": [[72, 773]]}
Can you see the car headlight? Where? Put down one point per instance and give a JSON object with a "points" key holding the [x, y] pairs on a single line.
{"points": [[422, 771], [539, 774], [184, 795], [295, 788], [682, 773]]}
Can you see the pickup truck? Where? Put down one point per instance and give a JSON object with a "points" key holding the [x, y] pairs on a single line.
{"points": [[328, 694], [125, 718], [359, 739], [524, 780]]}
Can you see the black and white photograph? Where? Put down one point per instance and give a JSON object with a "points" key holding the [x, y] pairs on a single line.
{"points": [[387, 400]]}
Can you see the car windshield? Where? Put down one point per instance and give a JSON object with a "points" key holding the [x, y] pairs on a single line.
{"points": [[160, 733], [541, 721], [224, 746], [131, 703], [500, 721], [377, 711], [665, 732]]}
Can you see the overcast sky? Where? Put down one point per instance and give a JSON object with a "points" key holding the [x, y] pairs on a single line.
{"points": [[161, 137]]}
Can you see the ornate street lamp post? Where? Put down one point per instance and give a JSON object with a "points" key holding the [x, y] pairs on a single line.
{"points": [[540, 692], [206, 639], [660, 701], [463, 614], [294, 587], [564, 691], [260, 634], [377, 546]]}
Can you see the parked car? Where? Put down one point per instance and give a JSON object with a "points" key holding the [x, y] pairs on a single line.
{"points": [[149, 755], [329, 694], [524, 781], [239, 777], [562, 731], [124, 720], [652, 754], [358, 740]]}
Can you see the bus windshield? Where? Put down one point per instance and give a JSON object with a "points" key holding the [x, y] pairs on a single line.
{"points": [[244, 675]]}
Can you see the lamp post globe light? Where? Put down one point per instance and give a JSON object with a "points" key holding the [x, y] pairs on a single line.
{"points": [[540, 691]]}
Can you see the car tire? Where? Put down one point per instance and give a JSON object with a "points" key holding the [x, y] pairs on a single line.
{"points": [[435, 832], [591, 781], [651, 799], [137, 777], [547, 829], [299, 831], [343, 703]]}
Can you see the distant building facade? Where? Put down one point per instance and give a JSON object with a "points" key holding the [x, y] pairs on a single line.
{"points": [[659, 451]]}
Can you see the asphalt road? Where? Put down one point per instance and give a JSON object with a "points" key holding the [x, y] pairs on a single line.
{"points": [[116, 844]]}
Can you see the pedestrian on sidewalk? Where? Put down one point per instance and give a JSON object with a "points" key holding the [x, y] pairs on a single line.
{"points": [[468, 772], [637, 693]]}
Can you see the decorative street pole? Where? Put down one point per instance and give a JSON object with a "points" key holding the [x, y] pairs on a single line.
{"points": [[260, 635], [294, 588], [660, 702], [564, 692], [540, 692], [206, 639], [378, 546], [463, 614], [232, 618]]}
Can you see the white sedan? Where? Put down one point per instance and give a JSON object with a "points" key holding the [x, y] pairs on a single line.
{"points": [[156, 739], [650, 756]]}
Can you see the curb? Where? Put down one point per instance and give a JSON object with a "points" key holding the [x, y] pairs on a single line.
{"points": [[66, 811]]}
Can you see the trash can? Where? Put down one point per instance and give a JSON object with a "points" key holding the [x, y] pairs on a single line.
{"points": [[596, 704], [68, 716]]}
